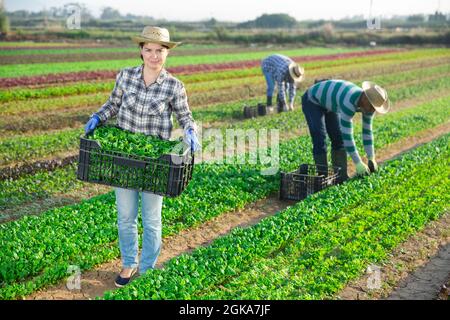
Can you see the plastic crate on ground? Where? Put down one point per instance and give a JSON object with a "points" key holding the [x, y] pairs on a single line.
{"points": [[250, 112], [306, 180]]}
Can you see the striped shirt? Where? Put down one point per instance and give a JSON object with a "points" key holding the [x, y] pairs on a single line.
{"points": [[342, 97], [278, 66], [147, 109]]}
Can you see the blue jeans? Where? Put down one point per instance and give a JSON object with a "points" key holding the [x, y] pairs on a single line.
{"points": [[127, 202], [270, 83], [320, 122]]}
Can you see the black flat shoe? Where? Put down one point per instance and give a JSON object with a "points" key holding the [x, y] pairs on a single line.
{"points": [[120, 282]]}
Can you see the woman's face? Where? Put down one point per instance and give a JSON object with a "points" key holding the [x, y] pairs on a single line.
{"points": [[154, 55]]}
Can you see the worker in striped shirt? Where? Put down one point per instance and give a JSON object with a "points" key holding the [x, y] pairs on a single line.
{"points": [[286, 74], [329, 107]]}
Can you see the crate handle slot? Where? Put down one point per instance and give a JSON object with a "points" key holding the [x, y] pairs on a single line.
{"points": [[296, 178]]}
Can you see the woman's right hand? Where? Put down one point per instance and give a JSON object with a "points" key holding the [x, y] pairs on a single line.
{"points": [[91, 124]]}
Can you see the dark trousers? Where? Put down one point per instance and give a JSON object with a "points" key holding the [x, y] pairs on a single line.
{"points": [[320, 122]]}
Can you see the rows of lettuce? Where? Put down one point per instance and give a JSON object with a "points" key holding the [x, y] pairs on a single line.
{"points": [[17, 70], [16, 148], [52, 48], [311, 250], [215, 106], [37, 250], [42, 185], [194, 81], [83, 101]]}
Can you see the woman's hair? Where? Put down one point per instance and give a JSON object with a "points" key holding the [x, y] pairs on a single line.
{"points": [[141, 45]]}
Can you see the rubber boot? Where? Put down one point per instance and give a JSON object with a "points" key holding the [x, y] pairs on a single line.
{"points": [[279, 106], [339, 159], [321, 159], [269, 101], [322, 170]]}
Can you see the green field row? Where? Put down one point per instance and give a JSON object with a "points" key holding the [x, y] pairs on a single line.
{"points": [[333, 68], [20, 147], [91, 102], [37, 250], [19, 70], [78, 50], [45, 184], [311, 250], [71, 117]]}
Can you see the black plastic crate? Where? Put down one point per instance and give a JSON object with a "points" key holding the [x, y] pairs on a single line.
{"points": [[308, 179], [250, 112], [262, 109], [168, 175]]}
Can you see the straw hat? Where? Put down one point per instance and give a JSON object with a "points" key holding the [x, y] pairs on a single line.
{"points": [[377, 96], [297, 72], [156, 35]]}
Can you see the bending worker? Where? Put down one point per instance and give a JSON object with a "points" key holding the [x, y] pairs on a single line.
{"points": [[287, 74], [329, 107]]}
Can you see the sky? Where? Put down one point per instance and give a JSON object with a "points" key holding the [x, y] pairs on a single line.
{"points": [[243, 10]]}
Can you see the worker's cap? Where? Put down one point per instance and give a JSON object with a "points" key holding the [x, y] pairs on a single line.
{"points": [[297, 72], [156, 35], [377, 96]]}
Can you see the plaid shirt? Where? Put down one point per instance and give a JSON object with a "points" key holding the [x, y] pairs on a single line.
{"points": [[148, 109], [278, 66]]}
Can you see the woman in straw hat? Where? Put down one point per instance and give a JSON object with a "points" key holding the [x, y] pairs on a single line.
{"points": [[329, 107], [287, 74], [143, 100]]}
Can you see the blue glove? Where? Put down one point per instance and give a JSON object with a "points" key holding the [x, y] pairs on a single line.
{"points": [[191, 139], [91, 124]]}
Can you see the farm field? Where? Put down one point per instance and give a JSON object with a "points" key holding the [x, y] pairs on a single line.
{"points": [[311, 249]]}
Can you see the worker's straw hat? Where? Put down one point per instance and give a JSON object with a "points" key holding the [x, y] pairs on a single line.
{"points": [[156, 35], [377, 96], [297, 72]]}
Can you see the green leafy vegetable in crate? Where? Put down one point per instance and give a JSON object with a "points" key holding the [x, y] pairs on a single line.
{"points": [[116, 139]]}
